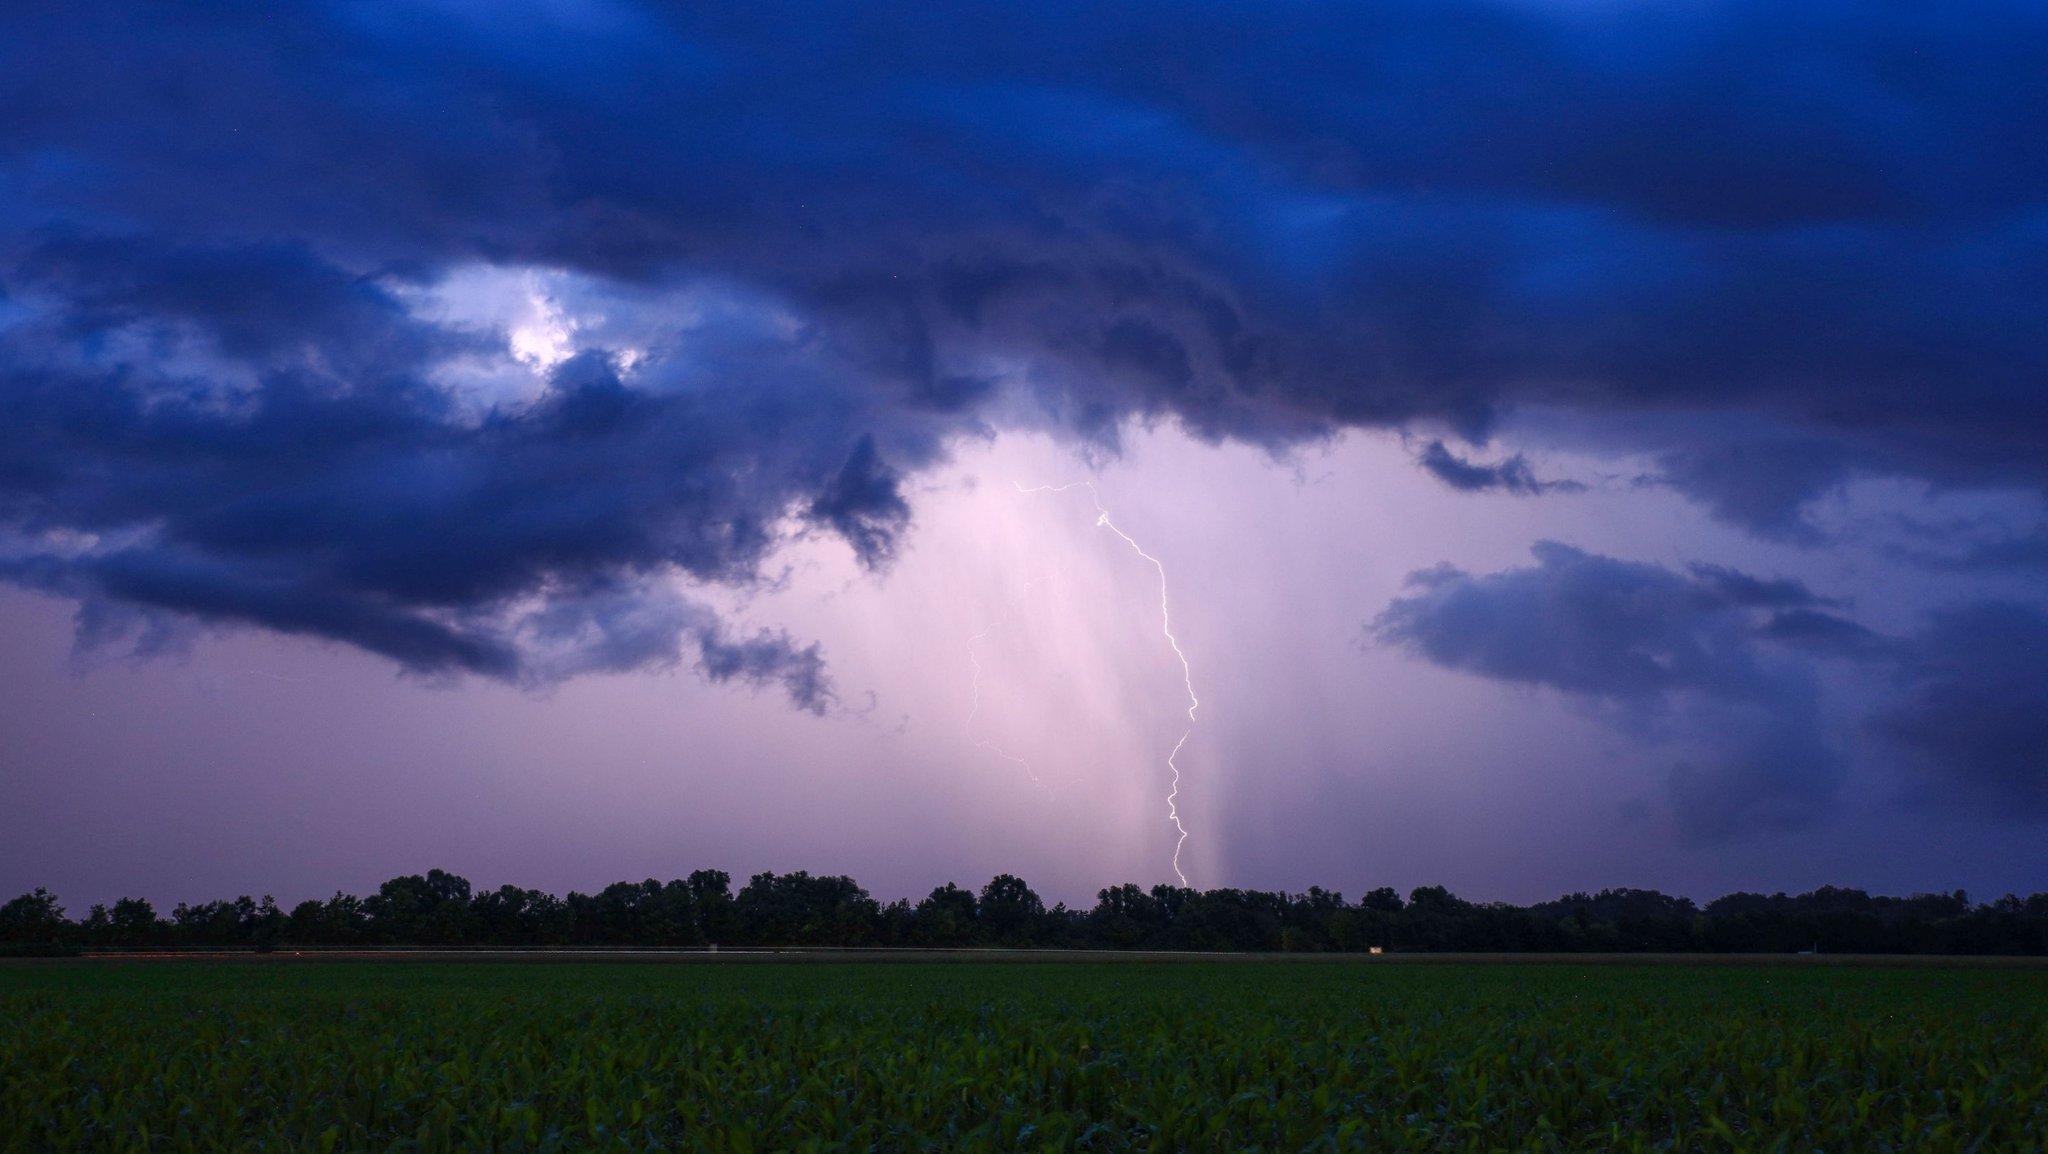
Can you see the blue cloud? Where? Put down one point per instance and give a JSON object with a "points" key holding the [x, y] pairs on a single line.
{"points": [[1972, 713], [1708, 659], [1513, 475], [1729, 660], [1806, 221]]}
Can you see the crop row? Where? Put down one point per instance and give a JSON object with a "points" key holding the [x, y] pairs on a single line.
{"points": [[341, 1056]]}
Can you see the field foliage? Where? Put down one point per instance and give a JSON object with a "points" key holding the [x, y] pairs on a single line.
{"points": [[1197, 1056]]}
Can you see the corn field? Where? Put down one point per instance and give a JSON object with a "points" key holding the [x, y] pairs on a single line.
{"points": [[341, 1056]]}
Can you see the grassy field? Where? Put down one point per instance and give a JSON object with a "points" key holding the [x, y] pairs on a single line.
{"points": [[1185, 1056]]}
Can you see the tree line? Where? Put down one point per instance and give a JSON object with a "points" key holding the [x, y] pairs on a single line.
{"points": [[441, 909]]}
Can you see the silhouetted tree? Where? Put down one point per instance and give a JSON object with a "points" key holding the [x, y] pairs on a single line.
{"points": [[33, 917], [133, 925], [799, 909], [1383, 900], [1010, 912], [510, 916], [711, 898], [946, 917], [1124, 917], [414, 910]]}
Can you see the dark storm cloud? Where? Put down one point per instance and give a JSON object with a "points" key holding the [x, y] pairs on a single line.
{"points": [[1588, 624], [1744, 589], [1762, 484], [1727, 658], [864, 505], [1512, 475], [1822, 634], [1819, 222], [1974, 710], [317, 485], [2022, 551], [1684, 655], [1974, 548]]}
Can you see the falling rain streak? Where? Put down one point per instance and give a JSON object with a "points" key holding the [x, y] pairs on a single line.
{"points": [[974, 659], [1102, 520]]}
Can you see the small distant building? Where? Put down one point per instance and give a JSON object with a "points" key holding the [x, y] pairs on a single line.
{"points": [[1376, 949]]}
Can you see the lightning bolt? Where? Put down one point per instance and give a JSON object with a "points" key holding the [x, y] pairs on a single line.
{"points": [[974, 659], [1103, 521]]}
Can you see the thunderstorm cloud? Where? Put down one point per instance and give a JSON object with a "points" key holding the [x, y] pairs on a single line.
{"points": [[486, 337], [1686, 656], [1725, 667]]}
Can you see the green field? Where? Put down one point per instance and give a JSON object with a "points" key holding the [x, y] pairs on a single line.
{"points": [[1191, 1056]]}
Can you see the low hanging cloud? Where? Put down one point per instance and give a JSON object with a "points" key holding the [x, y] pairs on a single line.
{"points": [[1964, 549], [1686, 656], [1512, 475], [1972, 715], [236, 247], [1619, 630], [621, 630], [1723, 663], [1764, 484]]}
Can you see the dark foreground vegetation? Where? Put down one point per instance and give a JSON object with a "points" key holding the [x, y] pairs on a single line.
{"points": [[1186, 1057], [798, 909]]}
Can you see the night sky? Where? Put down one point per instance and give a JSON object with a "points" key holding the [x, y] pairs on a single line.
{"points": [[1579, 444]]}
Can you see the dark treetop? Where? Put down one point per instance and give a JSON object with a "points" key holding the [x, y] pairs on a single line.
{"points": [[799, 909]]}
